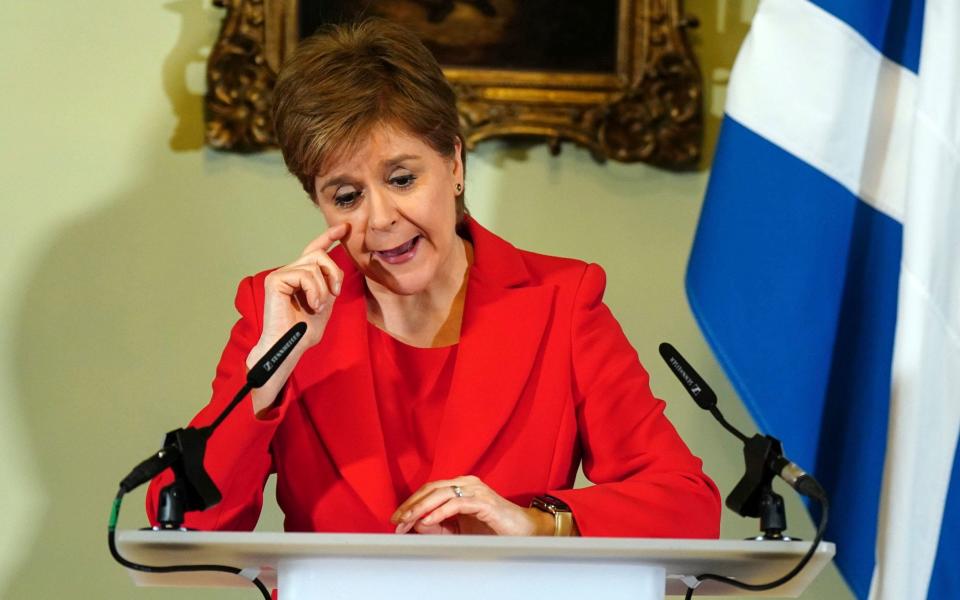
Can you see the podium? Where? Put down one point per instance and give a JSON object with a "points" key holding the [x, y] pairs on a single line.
{"points": [[418, 567]]}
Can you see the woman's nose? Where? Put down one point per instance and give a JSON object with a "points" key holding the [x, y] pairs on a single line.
{"points": [[383, 211]]}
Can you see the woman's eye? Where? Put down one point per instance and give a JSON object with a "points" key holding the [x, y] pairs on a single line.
{"points": [[346, 199], [403, 181]]}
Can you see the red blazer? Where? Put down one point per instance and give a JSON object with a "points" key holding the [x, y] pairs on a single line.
{"points": [[544, 377]]}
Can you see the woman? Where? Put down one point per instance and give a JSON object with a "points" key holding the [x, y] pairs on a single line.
{"points": [[447, 382]]}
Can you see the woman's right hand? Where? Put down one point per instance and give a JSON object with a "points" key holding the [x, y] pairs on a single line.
{"points": [[303, 290]]}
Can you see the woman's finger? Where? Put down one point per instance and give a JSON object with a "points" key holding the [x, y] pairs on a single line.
{"points": [[429, 503], [327, 239], [289, 281], [414, 498], [449, 527], [421, 493], [467, 505], [328, 268], [405, 526], [471, 481]]}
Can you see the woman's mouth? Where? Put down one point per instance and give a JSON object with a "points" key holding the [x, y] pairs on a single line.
{"points": [[399, 254]]}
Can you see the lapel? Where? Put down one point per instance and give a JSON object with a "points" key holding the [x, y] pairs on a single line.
{"points": [[501, 335], [345, 413], [504, 319]]}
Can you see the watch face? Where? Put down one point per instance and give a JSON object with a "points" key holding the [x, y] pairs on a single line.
{"points": [[552, 503]]}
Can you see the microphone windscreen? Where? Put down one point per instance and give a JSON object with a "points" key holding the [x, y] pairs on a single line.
{"points": [[267, 366], [694, 384]]}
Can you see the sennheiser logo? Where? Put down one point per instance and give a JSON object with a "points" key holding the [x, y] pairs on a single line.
{"points": [[278, 355], [691, 384]]}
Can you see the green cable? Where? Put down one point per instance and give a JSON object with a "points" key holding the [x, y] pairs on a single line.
{"points": [[114, 513]]}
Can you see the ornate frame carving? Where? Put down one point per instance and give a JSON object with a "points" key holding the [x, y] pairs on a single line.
{"points": [[649, 110]]}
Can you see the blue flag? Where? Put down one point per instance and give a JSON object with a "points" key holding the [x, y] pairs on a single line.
{"points": [[825, 272]]}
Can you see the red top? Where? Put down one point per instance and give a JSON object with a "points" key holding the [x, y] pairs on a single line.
{"points": [[412, 385]]}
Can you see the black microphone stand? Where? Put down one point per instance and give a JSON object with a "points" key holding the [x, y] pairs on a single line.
{"points": [[192, 489], [753, 496], [183, 452]]}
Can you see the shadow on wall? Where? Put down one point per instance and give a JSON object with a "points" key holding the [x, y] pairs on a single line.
{"points": [[119, 331], [123, 320]]}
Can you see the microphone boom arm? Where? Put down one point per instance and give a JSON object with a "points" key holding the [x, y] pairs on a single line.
{"points": [[184, 449]]}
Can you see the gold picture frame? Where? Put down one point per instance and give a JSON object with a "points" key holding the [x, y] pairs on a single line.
{"points": [[647, 108]]}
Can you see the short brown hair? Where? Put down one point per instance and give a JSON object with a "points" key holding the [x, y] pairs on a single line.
{"points": [[347, 79]]}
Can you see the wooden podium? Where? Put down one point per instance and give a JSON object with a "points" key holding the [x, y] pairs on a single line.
{"points": [[416, 567]]}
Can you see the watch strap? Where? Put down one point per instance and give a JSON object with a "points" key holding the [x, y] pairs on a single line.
{"points": [[562, 515]]}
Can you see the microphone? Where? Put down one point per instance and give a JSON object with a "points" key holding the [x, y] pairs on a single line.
{"points": [[764, 449], [183, 452], [696, 387], [753, 496], [184, 449], [693, 383], [265, 368]]}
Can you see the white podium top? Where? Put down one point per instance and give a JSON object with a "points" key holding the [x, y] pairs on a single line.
{"points": [[748, 561]]}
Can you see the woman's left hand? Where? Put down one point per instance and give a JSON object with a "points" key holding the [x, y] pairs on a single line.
{"points": [[437, 509]]}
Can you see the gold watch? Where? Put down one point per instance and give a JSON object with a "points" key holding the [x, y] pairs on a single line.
{"points": [[562, 515]]}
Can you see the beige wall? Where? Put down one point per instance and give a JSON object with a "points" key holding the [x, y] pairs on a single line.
{"points": [[123, 241]]}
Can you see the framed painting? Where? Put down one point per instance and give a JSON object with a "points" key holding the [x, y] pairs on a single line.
{"points": [[615, 76]]}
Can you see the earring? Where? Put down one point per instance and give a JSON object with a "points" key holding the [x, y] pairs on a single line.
{"points": [[459, 188]]}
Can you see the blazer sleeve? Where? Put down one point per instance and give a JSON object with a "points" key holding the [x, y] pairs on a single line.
{"points": [[646, 481], [238, 456]]}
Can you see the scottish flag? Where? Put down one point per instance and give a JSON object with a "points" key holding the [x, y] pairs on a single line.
{"points": [[825, 272]]}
